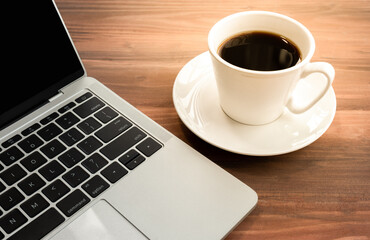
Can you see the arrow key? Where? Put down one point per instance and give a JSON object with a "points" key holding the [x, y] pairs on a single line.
{"points": [[114, 172]]}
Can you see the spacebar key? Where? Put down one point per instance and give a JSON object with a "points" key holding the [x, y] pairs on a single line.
{"points": [[41, 226]]}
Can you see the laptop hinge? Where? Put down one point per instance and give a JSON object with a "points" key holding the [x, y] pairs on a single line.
{"points": [[55, 97]]}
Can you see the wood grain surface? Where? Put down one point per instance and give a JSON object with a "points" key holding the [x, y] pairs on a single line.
{"points": [[137, 47]]}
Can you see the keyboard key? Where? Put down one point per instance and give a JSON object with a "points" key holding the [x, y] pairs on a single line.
{"points": [[12, 221], [127, 157], [89, 125], [49, 132], [71, 137], [31, 184], [55, 190], [10, 198], [123, 143], [106, 114], [41, 226], [11, 141], [135, 162], [75, 176], [11, 155], [73, 202], [49, 118], [53, 148], [148, 147], [34, 205], [83, 97], [66, 107], [114, 172], [95, 186], [71, 157], [94, 163], [33, 161], [90, 106], [52, 170], [89, 145], [12, 174], [67, 120], [30, 143], [2, 188], [30, 129], [113, 129]]}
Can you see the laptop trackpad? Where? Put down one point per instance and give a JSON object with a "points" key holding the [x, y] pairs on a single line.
{"points": [[100, 222]]}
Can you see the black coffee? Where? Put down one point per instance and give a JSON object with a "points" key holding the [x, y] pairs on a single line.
{"points": [[262, 51]]}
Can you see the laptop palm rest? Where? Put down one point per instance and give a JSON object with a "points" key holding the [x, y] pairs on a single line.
{"points": [[101, 221]]}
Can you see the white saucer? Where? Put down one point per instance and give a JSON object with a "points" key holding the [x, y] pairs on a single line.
{"points": [[196, 101]]}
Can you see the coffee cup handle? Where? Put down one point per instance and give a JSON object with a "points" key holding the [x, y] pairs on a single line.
{"points": [[317, 67]]}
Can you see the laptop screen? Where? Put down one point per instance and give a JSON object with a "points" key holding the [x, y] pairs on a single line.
{"points": [[38, 57]]}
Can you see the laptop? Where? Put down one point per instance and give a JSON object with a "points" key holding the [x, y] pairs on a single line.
{"points": [[79, 162]]}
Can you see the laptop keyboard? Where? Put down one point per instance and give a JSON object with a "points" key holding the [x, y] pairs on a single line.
{"points": [[58, 165]]}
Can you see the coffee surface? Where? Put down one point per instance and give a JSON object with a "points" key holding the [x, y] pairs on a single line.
{"points": [[261, 51]]}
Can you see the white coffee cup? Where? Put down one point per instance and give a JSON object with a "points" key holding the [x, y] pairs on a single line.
{"points": [[259, 97]]}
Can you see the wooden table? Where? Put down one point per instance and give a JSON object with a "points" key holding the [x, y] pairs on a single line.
{"points": [[137, 47]]}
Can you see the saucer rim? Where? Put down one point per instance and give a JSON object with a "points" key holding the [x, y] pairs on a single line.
{"points": [[317, 134]]}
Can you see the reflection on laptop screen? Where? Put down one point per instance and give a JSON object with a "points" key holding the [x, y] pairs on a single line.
{"points": [[38, 58]]}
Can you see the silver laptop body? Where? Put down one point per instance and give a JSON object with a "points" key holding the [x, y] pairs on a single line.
{"points": [[155, 187]]}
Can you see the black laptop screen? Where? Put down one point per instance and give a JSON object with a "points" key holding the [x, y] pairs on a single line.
{"points": [[38, 57]]}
